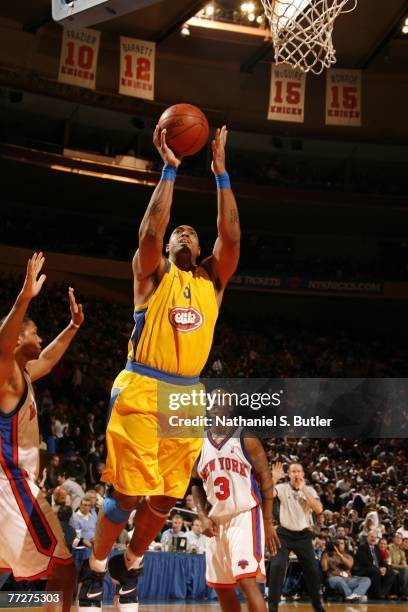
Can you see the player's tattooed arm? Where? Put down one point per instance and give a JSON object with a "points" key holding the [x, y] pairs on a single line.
{"points": [[210, 529], [225, 256], [149, 256], [259, 460]]}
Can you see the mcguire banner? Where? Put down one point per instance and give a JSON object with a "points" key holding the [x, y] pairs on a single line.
{"points": [[343, 97], [79, 57], [137, 68], [287, 94]]}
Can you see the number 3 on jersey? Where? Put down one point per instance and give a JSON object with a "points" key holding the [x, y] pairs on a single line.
{"points": [[224, 488]]}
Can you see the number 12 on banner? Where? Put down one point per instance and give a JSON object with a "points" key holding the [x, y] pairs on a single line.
{"points": [[287, 94], [137, 68], [343, 97]]}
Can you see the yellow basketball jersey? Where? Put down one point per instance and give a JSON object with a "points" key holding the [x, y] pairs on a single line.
{"points": [[175, 328]]}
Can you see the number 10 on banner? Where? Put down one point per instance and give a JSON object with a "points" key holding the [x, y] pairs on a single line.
{"points": [[79, 56], [287, 95], [343, 97], [137, 68]]}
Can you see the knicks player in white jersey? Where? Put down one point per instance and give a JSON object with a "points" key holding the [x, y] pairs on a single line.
{"points": [[226, 475], [31, 539]]}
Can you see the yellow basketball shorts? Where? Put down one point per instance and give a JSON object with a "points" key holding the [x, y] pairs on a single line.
{"points": [[140, 461]]}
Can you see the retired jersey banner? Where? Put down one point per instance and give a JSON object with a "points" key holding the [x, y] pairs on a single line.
{"points": [[137, 68], [79, 57], [287, 94], [343, 97]]}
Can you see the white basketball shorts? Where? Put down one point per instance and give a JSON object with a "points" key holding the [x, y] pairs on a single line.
{"points": [[238, 551], [31, 537]]}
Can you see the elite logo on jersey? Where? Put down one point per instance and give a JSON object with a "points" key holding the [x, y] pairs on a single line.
{"points": [[185, 319]]}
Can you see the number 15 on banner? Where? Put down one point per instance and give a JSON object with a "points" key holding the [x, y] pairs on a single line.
{"points": [[343, 97], [287, 94]]}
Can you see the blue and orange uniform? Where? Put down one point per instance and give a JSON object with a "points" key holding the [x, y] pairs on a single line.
{"points": [[170, 344]]}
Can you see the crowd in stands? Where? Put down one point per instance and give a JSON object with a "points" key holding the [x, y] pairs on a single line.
{"points": [[114, 238], [363, 484]]}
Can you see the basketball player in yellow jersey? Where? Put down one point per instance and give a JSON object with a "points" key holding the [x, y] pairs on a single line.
{"points": [[176, 306]]}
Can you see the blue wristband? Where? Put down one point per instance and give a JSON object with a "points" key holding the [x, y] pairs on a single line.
{"points": [[169, 173], [223, 181]]}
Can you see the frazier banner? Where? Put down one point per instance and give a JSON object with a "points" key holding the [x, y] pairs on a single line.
{"points": [[137, 68], [287, 94], [343, 97], [79, 57]]}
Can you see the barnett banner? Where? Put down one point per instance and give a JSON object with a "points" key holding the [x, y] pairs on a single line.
{"points": [[137, 68], [287, 94], [343, 97], [79, 57]]}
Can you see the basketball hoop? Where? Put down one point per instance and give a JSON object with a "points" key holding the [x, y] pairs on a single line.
{"points": [[302, 31]]}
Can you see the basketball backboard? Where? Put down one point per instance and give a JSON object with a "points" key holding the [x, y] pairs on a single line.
{"points": [[82, 13]]}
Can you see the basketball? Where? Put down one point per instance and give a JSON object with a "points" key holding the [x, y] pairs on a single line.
{"points": [[187, 129]]}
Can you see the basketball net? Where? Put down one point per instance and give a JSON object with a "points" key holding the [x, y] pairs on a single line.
{"points": [[302, 31]]}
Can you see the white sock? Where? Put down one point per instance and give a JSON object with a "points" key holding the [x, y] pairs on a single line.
{"points": [[130, 607], [132, 561], [97, 565]]}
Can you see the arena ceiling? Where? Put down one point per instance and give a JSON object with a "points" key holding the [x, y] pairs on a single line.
{"points": [[226, 73], [360, 37]]}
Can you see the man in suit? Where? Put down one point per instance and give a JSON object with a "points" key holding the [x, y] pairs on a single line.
{"points": [[368, 562]]}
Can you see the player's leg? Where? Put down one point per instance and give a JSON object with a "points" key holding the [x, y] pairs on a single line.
{"points": [[253, 595], [151, 515], [276, 575], [33, 544], [305, 554], [61, 578], [246, 539], [228, 599]]}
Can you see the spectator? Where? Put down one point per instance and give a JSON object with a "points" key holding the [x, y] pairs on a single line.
{"points": [[337, 565], [59, 498], [49, 475], [399, 563], [403, 530], [93, 498], [383, 548], [176, 531], [65, 517], [74, 490], [195, 538], [368, 562], [405, 548], [189, 503], [74, 465], [85, 523], [96, 458]]}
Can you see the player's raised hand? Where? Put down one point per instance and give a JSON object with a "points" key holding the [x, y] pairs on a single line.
{"points": [[77, 314], [210, 529], [271, 538], [167, 155], [218, 150], [32, 284], [277, 472]]}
